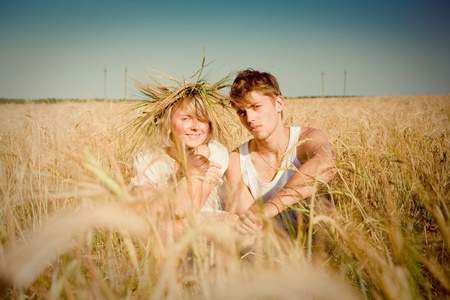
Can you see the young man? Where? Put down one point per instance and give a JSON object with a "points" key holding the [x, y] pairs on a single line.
{"points": [[280, 165]]}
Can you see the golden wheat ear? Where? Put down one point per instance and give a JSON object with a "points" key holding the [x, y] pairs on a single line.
{"points": [[26, 262]]}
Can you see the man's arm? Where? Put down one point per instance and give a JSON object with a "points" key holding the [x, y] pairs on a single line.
{"points": [[318, 163], [239, 198]]}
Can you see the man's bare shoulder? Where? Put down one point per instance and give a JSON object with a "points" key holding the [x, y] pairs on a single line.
{"points": [[233, 173], [234, 158], [234, 155], [310, 132], [315, 141]]}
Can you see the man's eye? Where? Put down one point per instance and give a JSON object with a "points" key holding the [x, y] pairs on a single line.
{"points": [[241, 113]]}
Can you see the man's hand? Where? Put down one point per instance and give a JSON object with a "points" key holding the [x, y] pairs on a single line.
{"points": [[250, 222]]}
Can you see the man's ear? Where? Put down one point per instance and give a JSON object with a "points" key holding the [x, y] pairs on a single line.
{"points": [[279, 103]]}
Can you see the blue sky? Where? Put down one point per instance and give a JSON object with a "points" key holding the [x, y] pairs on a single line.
{"points": [[60, 48]]}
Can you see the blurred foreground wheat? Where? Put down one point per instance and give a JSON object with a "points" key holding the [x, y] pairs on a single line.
{"points": [[71, 229]]}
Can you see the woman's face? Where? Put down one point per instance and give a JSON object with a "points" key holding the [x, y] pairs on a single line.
{"points": [[187, 128]]}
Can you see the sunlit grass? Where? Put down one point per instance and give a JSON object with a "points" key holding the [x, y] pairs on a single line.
{"points": [[70, 228]]}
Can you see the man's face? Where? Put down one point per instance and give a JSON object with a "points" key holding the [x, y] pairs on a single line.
{"points": [[261, 115], [187, 128]]}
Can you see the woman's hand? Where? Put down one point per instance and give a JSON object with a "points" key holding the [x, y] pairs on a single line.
{"points": [[213, 174], [198, 161], [201, 166], [203, 150]]}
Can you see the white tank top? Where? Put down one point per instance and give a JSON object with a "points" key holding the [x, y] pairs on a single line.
{"points": [[251, 179]]}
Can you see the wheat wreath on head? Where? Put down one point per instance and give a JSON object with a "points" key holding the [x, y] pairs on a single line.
{"points": [[159, 97]]}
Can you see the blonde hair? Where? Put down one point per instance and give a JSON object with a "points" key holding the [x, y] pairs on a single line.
{"points": [[250, 80]]}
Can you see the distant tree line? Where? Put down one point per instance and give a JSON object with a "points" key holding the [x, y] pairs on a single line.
{"points": [[54, 100], [57, 100]]}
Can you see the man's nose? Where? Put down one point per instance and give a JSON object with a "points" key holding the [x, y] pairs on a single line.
{"points": [[250, 116]]}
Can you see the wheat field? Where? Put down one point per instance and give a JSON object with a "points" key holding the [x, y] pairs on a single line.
{"points": [[71, 228]]}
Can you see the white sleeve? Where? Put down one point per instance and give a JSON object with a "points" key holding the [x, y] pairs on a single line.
{"points": [[219, 154], [148, 169]]}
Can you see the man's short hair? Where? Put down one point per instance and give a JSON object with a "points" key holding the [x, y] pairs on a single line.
{"points": [[250, 80]]}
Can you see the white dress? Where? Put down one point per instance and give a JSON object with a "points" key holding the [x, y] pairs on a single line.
{"points": [[156, 167]]}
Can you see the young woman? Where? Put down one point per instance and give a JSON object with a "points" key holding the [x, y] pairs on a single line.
{"points": [[182, 156]]}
